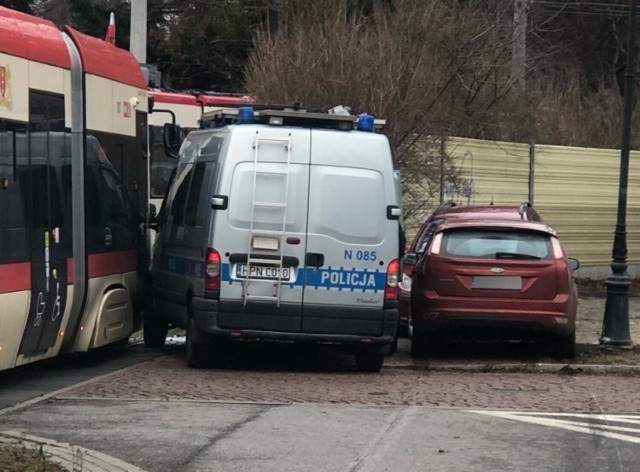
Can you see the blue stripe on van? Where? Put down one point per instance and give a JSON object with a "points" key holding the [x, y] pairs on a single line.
{"points": [[182, 266], [330, 278]]}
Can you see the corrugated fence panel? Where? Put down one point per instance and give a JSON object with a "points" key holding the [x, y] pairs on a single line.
{"points": [[492, 171], [576, 192], [574, 189]]}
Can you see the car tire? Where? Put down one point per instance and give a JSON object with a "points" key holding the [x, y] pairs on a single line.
{"points": [[564, 347], [154, 329], [419, 343], [198, 354], [369, 361]]}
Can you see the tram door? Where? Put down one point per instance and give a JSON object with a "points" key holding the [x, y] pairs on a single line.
{"points": [[44, 169]]}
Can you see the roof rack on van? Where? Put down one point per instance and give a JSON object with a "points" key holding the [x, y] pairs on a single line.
{"points": [[280, 115]]}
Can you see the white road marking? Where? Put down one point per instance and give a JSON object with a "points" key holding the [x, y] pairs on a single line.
{"points": [[384, 440], [607, 429]]}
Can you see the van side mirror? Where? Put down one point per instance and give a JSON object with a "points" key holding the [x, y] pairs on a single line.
{"points": [[574, 264], [172, 140]]}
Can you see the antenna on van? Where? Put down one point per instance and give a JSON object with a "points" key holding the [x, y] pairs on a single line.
{"points": [[491, 203]]}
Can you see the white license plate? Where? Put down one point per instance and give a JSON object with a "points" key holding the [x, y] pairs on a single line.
{"points": [[264, 272], [497, 282]]}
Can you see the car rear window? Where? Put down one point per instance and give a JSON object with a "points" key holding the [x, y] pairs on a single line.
{"points": [[497, 244]]}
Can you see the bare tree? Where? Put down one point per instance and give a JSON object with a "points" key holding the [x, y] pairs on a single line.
{"points": [[429, 68]]}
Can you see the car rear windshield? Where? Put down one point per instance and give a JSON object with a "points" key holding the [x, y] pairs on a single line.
{"points": [[496, 244]]}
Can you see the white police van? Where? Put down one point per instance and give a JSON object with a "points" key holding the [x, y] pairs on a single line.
{"points": [[280, 226]]}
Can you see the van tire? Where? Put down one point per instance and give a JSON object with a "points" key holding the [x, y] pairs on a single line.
{"points": [[154, 329], [198, 354], [369, 361]]}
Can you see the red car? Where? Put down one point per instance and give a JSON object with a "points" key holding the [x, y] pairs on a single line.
{"points": [[423, 237], [494, 277]]}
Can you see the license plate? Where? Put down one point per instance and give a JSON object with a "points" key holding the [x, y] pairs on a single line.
{"points": [[264, 272], [489, 282]]}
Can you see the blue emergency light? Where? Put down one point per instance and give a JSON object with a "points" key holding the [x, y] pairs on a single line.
{"points": [[245, 115], [366, 122]]}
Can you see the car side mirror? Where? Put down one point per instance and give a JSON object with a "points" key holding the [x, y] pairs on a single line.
{"points": [[410, 259], [574, 264]]}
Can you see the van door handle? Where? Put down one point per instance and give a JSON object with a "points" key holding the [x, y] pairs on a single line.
{"points": [[314, 259]]}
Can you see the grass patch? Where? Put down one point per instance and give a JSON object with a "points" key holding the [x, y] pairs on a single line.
{"points": [[593, 354], [17, 458], [598, 288]]}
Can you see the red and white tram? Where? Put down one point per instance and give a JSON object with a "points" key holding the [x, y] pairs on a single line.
{"points": [[73, 184]]}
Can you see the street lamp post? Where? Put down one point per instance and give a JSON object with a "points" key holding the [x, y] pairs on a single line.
{"points": [[615, 326]]}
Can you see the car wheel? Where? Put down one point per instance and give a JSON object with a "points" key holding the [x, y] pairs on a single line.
{"points": [[418, 345], [154, 329], [564, 347], [369, 361], [198, 354]]}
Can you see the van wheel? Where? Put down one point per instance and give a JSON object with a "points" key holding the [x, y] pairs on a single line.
{"points": [[393, 347], [369, 361], [198, 354], [564, 347], [154, 329]]}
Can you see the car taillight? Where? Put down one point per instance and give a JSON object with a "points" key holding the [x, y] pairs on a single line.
{"points": [[436, 244], [405, 283], [212, 270], [558, 253], [391, 289]]}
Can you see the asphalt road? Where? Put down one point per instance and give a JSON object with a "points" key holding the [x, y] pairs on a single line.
{"points": [[284, 409]]}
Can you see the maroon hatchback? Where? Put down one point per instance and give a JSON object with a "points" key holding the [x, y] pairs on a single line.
{"points": [[494, 278]]}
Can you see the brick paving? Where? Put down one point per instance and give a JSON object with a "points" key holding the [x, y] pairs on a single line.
{"points": [[169, 379], [284, 374]]}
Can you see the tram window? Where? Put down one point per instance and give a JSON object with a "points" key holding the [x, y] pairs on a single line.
{"points": [[46, 111], [46, 210], [13, 228], [194, 195], [114, 201]]}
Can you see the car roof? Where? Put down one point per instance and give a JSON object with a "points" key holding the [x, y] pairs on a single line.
{"points": [[495, 223], [522, 212]]}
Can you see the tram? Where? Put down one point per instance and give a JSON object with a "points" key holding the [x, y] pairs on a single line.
{"points": [[74, 176]]}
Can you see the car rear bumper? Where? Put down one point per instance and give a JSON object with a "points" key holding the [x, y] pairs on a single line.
{"points": [[207, 315], [547, 316]]}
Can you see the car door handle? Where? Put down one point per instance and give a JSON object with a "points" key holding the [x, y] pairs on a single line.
{"points": [[314, 259]]}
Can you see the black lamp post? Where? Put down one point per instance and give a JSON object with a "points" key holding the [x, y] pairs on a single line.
{"points": [[615, 325]]}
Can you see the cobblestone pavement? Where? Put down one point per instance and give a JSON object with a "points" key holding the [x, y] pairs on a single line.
{"points": [[591, 314], [262, 377], [287, 374]]}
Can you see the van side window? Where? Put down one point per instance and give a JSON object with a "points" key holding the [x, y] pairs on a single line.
{"points": [[178, 203], [194, 195]]}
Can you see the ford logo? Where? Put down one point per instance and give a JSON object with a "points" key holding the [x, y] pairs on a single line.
{"points": [[497, 270]]}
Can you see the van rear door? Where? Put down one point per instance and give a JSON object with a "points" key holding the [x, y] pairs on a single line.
{"points": [[350, 239], [266, 179]]}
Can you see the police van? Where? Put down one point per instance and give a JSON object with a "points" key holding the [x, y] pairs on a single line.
{"points": [[283, 225]]}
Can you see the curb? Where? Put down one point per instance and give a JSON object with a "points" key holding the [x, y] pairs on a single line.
{"points": [[73, 458], [542, 368]]}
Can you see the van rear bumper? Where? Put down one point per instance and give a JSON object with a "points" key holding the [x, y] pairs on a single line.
{"points": [[206, 314]]}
